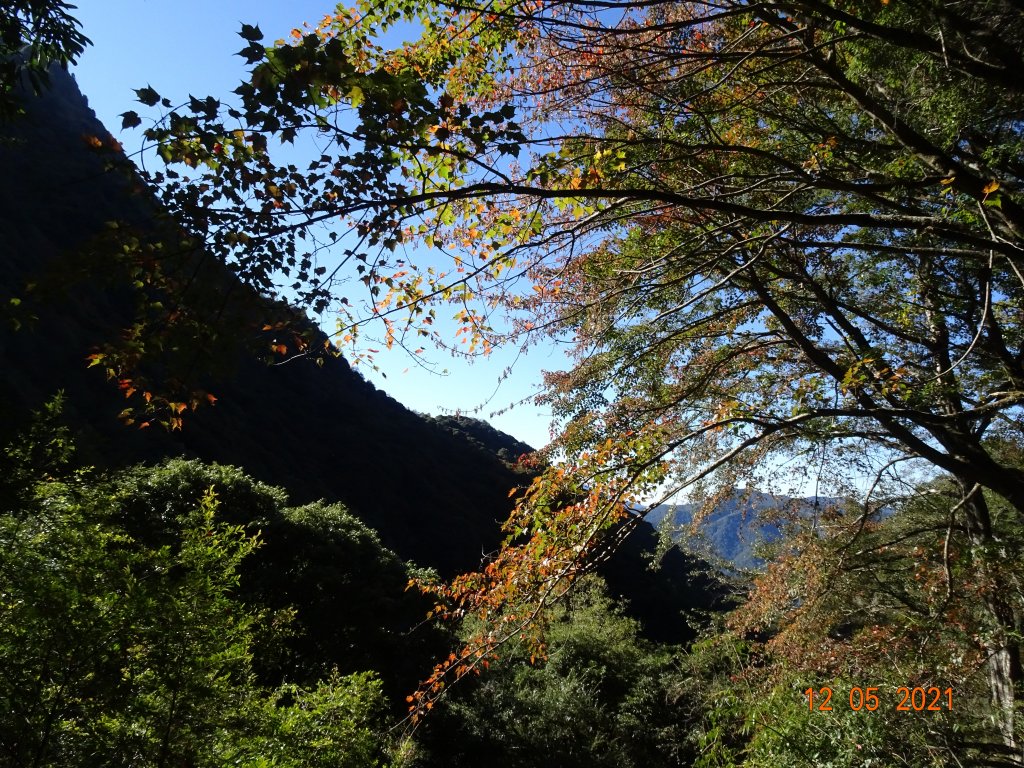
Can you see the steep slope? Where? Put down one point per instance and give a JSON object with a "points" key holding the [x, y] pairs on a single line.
{"points": [[485, 437], [321, 432]]}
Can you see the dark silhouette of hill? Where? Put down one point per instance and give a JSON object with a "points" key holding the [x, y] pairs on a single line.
{"points": [[436, 490], [485, 437], [320, 432]]}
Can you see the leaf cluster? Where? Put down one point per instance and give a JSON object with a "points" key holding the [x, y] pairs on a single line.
{"points": [[35, 34]]}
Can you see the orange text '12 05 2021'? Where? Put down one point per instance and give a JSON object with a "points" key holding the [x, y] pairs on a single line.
{"points": [[872, 698]]}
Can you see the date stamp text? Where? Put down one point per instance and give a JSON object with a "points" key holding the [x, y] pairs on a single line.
{"points": [[906, 699]]}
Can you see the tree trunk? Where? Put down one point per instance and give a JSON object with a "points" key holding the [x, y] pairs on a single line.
{"points": [[1002, 636]]}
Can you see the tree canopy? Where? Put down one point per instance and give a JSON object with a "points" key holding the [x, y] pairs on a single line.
{"points": [[783, 228], [123, 636], [768, 232]]}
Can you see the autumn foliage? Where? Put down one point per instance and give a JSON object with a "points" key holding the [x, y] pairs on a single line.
{"points": [[771, 234]]}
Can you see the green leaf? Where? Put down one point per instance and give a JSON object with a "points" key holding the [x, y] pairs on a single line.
{"points": [[252, 53]]}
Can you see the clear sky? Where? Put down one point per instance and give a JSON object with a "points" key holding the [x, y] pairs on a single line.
{"points": [[186, 47]]}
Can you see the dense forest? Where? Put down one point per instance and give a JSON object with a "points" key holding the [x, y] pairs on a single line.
{"points": [[785, 245]]}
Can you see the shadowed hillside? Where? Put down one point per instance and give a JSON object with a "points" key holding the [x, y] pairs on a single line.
{"points": [[436, 489]]}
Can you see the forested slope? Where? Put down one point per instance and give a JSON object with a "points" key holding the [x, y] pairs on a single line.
{"points": [[322, 431], [783, 246]]}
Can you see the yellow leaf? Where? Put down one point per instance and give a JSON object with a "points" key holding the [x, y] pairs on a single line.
{"points": [[991, 187]]}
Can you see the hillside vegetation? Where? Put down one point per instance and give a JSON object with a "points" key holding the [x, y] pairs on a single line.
{"points": [[782, 245]]}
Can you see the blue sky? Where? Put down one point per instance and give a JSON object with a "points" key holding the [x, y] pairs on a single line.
{"points": [[186, 47]]}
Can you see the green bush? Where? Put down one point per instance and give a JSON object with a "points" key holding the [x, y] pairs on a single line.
{"points": [[599, 698], [126, 645]]}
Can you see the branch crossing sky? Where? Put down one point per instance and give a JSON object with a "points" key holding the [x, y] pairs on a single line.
{"points": [[186, 47]]}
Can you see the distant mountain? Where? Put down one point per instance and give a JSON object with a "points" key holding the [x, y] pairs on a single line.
{"points": [[736, 526]]}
